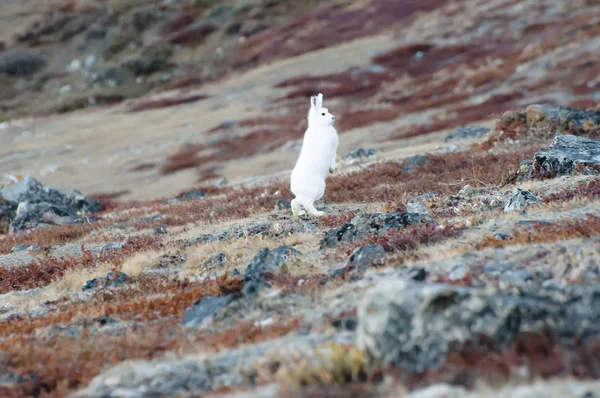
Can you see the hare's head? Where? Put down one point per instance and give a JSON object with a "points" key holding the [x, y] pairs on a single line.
{"points": [[319, 116]]}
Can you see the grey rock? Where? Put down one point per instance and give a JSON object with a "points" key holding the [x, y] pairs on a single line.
{"points": [[111, 246], [458, 273], [160, 230], [360, 154], [30, 190], [418, 208], [414, 326], [361, 259], [413, 163], [203, 311], [112, 279], [367, 256], [153, 60], [369, 224], [31, 215], [269, 261], [218, 260], [194, 194], [283, 204], [467, 132], [518, 200], [20, 64], [569, 119], [501, 236], [568, 155], [515, 278]]}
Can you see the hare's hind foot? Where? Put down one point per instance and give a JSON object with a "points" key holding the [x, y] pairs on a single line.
{"points": [[296, 209]]}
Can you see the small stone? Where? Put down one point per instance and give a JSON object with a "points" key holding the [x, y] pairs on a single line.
{"points": [[269, 261], [501, 236], [467, 191], [367, 256], [19, 248], [219, 261], [417, 274], [204, 310], [360, 154], [519, 199], [458, 273], [282, 204], [413, 163], [194, 194], [467, 132], [112, 279], [160, 230], [534, 114]]}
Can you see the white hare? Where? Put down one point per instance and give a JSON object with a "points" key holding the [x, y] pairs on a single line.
{"points": [[316, 160]]}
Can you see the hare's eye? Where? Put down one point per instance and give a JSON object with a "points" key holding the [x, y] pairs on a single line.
{"points": [[323, 114]]}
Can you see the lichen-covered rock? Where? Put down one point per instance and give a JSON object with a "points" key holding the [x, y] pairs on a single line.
{"points": [[361, 259], [568, 154], [414, 326], [518, 200], [20, 64], [112, 279], [269, 261], [203, 311], [367, 224], [360, 154], [576, 121]]}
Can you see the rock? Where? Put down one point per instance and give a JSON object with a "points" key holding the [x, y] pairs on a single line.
{"points": [[112, 279], [216, 261], [467, 132], [283, 204], [360, 154], [515, 278], [414, 326], [193, 34], [194, 194], [160, 230], [20, 64], [361, 259], [518, 200], [413, 163], [233, 28], [458, 273], [575, 121], [269, 261], [367, 256], [417, 208], [111, 246], [204, 310], [30, 190], [416, 274], [501, 236], [568, 155], [367, 224], [31, 215], [153, 60], [251, 27]]}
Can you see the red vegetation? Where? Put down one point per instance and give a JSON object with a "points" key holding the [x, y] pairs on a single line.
{"points": [[544, 233], [328, 26], [47, 269], [155, 103]]}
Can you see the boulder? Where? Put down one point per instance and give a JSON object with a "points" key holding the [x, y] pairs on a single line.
{"points": [[20, 64], [568, 155], [367, 224], [518, 200], [415, 326], [269, 261]]}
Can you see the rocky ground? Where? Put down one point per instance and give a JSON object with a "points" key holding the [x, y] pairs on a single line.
{"points": [[147, 244]]}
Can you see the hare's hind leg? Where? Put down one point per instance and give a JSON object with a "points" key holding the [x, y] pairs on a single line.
{"points": [[296, 210], [310, 208]]}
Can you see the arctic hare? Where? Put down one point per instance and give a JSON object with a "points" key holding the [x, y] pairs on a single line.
{"points": [[316, 160]]}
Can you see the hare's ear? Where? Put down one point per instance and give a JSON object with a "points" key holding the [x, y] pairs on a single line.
{"points": [[313, 102], [320, 100]]}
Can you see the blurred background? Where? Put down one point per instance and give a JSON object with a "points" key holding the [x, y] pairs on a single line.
{"points": [[141, 99]]}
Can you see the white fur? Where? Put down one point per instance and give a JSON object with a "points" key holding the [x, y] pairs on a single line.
{"points": [[316, 160]]}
